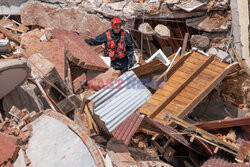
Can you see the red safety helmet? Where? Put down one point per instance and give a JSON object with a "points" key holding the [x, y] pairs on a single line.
{"points": [[116, 22]]}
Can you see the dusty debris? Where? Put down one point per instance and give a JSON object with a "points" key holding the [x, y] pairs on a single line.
{"points": [[200, 42], [162, 30], [79, 52], [103, 79], [219, 22], [52, 50], [51, 16], [145, 28], [130, 124], [18, 69]]}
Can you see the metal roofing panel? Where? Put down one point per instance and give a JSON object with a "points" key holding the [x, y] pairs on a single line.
{"points": [[115, 102], [128, 127]]}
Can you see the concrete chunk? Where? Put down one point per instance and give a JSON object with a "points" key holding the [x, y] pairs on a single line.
{"points": [[162, 30], [63, 147], [145, 28], [52, 50], [72, 19], [200, 42], [23, 97], [13, 73], [46, 72], [79, 52]]}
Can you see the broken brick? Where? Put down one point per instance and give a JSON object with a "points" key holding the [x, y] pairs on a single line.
{"points": [[8, 147], [79, 82], [103, 79], [79, 52], [52, 50]]}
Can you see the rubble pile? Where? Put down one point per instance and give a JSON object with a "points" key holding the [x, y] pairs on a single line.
{"points": [[185, 102]]}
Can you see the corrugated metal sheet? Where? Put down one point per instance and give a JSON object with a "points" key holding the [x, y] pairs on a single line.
{"points": [[117, 101], [128, 127]]}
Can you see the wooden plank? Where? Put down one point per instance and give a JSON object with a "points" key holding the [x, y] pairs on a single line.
{"points": [[210, 66], [201, 76], [207, 90], [215, 62], [189, 89], [10, 35], [205, 71], [175, 67], [181, 87], [184, 95], [151, 67], [203, 133], [241, 62], [184, 44], [226, 123]]}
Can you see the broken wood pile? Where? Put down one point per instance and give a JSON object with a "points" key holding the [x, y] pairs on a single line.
{"points": [[185, 102]]}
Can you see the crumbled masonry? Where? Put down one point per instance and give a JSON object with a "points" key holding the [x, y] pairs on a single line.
{"points": [[184, 103]]}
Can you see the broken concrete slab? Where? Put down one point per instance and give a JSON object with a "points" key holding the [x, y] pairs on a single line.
{"points": [[220, 54], [165, 12], [213, 23], [119, 154], [23, 97], [72, 19], [189, 6], [46, 72], [103, 79], [162, 30], [8, 147], [145, 28], [31, 37], [52, 50], [13, 73], [200, 42], [79, 52], [63, 146], [79, 82]]}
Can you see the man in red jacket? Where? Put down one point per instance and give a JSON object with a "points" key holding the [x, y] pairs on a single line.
{"points": [[118, 46]]}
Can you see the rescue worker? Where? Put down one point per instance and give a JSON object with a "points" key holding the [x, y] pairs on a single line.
{"points": [[118, 46]]}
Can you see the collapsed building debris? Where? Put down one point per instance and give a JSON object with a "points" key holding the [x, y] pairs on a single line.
{"points": [[184, 103]]}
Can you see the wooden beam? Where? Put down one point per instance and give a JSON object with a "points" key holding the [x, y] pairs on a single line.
{"points": [[203, 134], [226, 123], [181, 87], [241, 62], [153, 66], [175, 67], [207, 90], [10, 35], [184, 44]]}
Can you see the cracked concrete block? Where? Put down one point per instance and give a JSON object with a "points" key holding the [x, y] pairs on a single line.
{"points": [[162, 30], [70, 18], [200, 42], [46, 72], [13, 73], [23, 97], [145, 28]]}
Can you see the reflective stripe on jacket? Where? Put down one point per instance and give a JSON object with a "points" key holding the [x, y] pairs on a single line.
{"points": [[116, 51]]}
